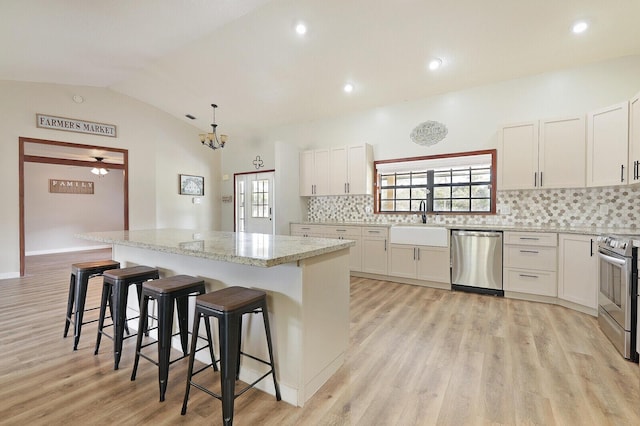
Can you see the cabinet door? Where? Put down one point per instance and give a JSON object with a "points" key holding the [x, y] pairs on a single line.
{"points": [[321, 171], [578, 270], [402, 261], [374, 255], [562, 153], [634, 140], [338, 176], [518, 156], [608, 145], [433, 264], [306, 173], [360, 171]]}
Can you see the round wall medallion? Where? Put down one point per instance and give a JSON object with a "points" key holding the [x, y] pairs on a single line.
{"points": [[428, 133]]}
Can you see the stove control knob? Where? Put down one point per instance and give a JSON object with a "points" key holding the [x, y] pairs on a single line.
{"points": [[623, 246]]}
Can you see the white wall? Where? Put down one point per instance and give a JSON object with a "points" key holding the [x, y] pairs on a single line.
{"points": [[472, 116], [160, 148], [51, 219]]}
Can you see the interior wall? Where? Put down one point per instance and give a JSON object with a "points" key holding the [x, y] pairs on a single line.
{"points": [[160, 147], [51, 219]]}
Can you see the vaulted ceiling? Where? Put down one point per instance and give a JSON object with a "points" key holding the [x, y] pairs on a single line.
{"points": [[245, 55]]}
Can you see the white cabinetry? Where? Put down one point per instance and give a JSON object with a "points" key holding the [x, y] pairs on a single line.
{"points": [[419, 262], [314, 172], [578, 270], [543, 154], [348, 233], [375, 242], [351, 170], [634, 139], [530, 263], [608, 145]]}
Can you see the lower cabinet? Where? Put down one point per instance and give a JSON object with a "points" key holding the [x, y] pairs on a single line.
{"points": [[530, 263], [578, 270], [419, 262], [374, 250], [348, 233]]}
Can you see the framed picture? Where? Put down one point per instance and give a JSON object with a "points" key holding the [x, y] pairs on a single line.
{"points": [[191, 185]]}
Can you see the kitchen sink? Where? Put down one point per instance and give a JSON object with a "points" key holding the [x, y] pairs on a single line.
{"points": [[422, 235]]}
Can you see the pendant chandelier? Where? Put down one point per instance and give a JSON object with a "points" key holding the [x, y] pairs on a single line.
{"points": [[100, 171], [211, 139]]}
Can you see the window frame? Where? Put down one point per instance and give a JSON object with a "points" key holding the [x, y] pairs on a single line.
{"points": [[492, 185]]}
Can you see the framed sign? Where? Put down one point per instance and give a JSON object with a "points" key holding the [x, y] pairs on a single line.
{"points": [[74, 125], [191, 185], [66, 186]]}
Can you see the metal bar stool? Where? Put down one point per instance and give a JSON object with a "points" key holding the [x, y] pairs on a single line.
{"points": [[81, 273], [228, 306], [167, 291], [115, 287]]}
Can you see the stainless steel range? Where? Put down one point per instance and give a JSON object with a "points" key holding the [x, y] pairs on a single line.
{"points": [[618, 295]]}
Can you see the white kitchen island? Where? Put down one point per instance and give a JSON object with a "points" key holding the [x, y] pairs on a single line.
{"points": [[307, 286]]}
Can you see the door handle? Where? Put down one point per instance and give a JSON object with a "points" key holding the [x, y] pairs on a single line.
{"points": [[621, 172]]}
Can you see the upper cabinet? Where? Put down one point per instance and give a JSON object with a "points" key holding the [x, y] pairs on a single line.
{"points": [[344, 170], [314, 172], [634, 139], [608, 146], [543, 154], [351, 170]]}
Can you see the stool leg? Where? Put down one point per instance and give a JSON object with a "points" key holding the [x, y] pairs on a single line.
{"points": [[239, 340], [106, 299], [192, 357], [141, 326], [182, 304], [72, 293], [119, 306], [207, 327], [165, 325], [265, 316], [228, 328], [82, 282]]}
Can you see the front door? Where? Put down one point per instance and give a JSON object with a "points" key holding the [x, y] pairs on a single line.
{"points": [[254, 207]]}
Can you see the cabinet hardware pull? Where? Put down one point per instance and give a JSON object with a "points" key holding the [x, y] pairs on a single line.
{"points": [[591, 247], [535, 179], [636, 172], [341, 230], [541, 179], [373, 232], [528, 276], [621, 172], [529, 251], [414, 253], [385, 245], [348, 188], [418, 248], [530, 238], [345, 188]]}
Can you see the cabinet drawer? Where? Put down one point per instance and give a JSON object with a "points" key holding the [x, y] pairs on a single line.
{"points": [[531, 282], [531, 238], [527, 257], [375, 231], [342, 231], [301, 230]]}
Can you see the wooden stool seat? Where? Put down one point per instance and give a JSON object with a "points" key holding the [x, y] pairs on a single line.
{"points": [[167, 291], [81, 273], [115, 288], [228, 306]]}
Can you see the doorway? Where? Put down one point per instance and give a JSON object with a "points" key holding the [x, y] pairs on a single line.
{"points": [[69, 154], [254, 209]]}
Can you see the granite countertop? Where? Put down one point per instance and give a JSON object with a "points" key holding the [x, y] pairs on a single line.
{"points": [[262, 250]]}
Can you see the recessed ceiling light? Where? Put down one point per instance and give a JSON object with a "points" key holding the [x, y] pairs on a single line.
{"points": [[348, 88], [434, 64], [301, 28], [579, 27]]}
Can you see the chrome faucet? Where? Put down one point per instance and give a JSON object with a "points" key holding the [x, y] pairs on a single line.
{"points": [[423, 209]]}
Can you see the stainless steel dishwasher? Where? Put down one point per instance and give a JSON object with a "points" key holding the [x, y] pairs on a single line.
{"points": [[476, 261]]}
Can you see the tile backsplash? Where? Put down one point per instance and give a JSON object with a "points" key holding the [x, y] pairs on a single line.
{"points": [[617, 207]]}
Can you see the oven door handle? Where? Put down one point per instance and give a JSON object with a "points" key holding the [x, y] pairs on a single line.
{"points": [[610, 259]]}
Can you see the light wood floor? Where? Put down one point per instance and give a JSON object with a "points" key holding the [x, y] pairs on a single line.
{"points": [[418, 356]]}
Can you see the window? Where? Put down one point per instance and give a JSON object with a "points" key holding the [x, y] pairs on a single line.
{"points": [[453, 183], [260, 198]]}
